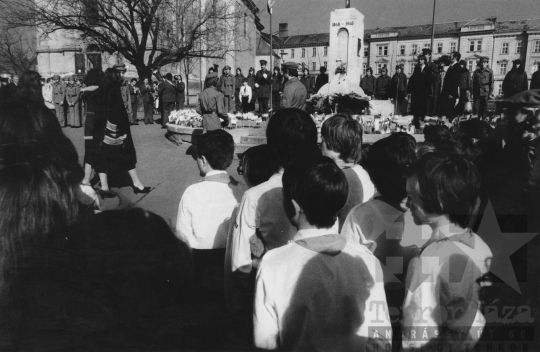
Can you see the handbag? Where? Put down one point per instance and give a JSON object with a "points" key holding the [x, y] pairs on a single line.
{"points": [[112, 133]]}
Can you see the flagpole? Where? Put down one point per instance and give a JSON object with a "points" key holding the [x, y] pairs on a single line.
{"points": [[271, 56]]}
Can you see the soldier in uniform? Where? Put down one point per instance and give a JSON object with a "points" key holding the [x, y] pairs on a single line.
{"points": [[227, 88], [482, 87], [294, 92], [126, 97], [211, 105], [73, 93], [263, 82], [59, 94]]}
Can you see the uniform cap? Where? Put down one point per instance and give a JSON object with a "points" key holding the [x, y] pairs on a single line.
{"points": [[290, 65], [484, 59], [263, 62], [227, 67], [56, 77], [120, 67]]}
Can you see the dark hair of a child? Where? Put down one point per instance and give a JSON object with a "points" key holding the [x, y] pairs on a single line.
{"points": [[319, 187], [388, 159], [343, 134], [448, 184], [217, 147], [291, 134], [259, 164]]}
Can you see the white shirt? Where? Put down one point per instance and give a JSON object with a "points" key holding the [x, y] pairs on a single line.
{"points": [[367, 186], [204, 213], [442, 291], [315, 301], [245, 91]]}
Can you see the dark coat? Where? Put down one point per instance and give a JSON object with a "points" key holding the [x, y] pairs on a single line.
{"points": [[515, 82], [276, 82], [238, 81], [535, 80], [452, 80], [399, 86], [307, 81], [227, 84], [382, 85], [4, 92], [465, 84], [147, 94], [265, 84], [167, 91], [321, 80], [367, 83], [180, 92]]}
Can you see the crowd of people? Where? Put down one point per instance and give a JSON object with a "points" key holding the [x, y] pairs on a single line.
{"points": [[323, 251]]}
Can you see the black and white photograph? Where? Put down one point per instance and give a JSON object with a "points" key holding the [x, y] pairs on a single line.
{"points": [[249, 175]]}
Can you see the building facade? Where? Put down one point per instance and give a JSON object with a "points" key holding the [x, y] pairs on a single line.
{"points": [[500, 41]]}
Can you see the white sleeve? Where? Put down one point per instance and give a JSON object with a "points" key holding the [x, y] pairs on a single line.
{"points": [[420, 308], [249, 93], [244, 228], [184, 228], [352, 231], [265, 320]]}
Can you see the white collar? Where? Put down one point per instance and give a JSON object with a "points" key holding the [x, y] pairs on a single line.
{"points": [[308, 233], [215, 172]]}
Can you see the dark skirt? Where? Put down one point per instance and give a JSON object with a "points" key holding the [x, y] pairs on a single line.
{"points": [[115, 158]]}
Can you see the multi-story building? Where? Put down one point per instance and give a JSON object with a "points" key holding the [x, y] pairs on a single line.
{"points": [[500, 41]]}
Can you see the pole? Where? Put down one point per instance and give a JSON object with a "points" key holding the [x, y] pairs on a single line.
{"points": [[432, 31], [271, 57]]}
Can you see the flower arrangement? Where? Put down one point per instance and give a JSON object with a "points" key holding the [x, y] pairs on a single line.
{"points": [[188, 118]]}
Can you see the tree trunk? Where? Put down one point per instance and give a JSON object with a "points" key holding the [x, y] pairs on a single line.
{"points": [[144, 72]]}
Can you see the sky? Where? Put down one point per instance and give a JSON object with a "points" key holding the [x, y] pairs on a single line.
{"points": [[313, 16]]}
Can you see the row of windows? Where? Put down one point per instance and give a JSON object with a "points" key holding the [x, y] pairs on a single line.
{"points": [[382, 50], [505, 46], [303, 52]]}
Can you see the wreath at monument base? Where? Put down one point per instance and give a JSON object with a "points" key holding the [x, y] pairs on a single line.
{"points": [[348, 104]]}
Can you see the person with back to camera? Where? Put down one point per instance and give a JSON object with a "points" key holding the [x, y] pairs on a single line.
{"points": [[319, 292], [443, 193], [206, 207], [147, 96], [167, 91], [341, 141], [211, 105], [322, 79], [117, 149], [294, 92]]}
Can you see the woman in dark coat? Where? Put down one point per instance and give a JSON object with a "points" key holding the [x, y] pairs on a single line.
{"points": [[238, 81], [420, 85], [112, 127], [251, 82], [515, 81]]}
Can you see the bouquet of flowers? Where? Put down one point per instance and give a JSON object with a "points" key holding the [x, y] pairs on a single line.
{"points": [[188, 118]]}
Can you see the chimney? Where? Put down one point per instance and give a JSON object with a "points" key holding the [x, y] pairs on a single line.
{"points": [[283, 30]]}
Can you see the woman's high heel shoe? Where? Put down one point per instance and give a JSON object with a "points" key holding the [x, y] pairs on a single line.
{"points": [[145, 190]]}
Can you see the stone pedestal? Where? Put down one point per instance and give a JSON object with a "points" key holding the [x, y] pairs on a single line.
{"points": [[346, 42]]}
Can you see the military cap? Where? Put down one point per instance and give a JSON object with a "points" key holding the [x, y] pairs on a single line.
{"points": [[120, 67], [263, 62], [517, 61], [426, 51], [227, 67], [400, 66], [56, 77], [216, 67], [290, 65], [483, 59], [276, 68]]}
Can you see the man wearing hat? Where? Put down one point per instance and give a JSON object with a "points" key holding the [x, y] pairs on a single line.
{"points": [[126, 98], [73, 93], [59, 94], [227, 87], [294, 92], [515, 81], [211, 105], [482, 87], [321, 80], [167, 91], [263, 83]]}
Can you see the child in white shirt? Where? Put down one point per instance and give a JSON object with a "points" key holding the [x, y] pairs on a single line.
{"points": [[245, 95]]}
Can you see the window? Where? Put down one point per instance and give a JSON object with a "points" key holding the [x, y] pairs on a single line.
{"points": [[326, 64], [504, 48], [282, 53], [364, 68], [325, 53], [470, 65], [314, 66], [519, 46], [411, 67], [502, 68], [303, 52], [536, 47], [292, 53], [427, 46], [499, 90], [366, 51], [383, 50], [80, 66], [402, 50], [439, 48], [452, 46], [414, 49], [475, 45], [314, 52], [380, 66]]}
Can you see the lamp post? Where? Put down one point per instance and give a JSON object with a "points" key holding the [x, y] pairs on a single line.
{"points": [[432, 31]]}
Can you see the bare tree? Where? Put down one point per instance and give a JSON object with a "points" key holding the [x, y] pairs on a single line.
{"points": [[17, 50], [147, 33]]}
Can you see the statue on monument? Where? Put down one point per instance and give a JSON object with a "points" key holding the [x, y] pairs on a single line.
{"points": [[340, 84]]}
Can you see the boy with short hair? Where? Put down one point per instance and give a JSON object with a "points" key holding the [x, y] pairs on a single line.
{"points": [[342, 142], [319, 292], [206, 207]]}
